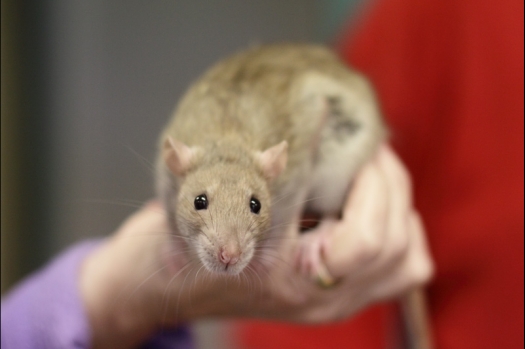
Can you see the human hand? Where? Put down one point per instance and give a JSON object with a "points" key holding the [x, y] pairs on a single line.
{"points": [[378, 250], [133, 285]]}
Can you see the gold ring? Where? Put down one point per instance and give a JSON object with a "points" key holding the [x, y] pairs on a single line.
{"points": [[324, 279]]}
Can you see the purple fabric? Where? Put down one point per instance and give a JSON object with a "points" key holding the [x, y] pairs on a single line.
{"points": [[45, 310], [179, 338]]}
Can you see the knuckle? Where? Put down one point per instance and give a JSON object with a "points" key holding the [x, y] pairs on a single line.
{"points": [[403, 178], [399, 247], [369, 247], [422, 273]]}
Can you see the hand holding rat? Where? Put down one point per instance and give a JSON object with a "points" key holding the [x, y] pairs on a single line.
{"points": [[377, 251], [383, 230]]}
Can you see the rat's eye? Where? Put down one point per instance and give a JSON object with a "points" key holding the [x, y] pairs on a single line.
{"points": [[255, 205], [201, 202]]}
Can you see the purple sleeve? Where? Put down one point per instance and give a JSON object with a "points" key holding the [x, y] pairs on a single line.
{"points": [[45, 311]]}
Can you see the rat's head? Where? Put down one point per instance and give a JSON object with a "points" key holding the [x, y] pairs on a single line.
{"points": [[223, 205]]}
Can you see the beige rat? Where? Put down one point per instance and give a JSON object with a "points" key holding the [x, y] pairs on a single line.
{"points": [[260, 138]]}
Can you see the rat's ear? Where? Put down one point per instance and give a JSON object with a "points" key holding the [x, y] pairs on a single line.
{"points": [[273, 160], [177, 156]]}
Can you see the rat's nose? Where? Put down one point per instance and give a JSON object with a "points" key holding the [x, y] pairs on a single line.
{"points": [[229, 258]]}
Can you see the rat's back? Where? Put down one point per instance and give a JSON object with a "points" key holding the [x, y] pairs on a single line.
{"points": [[249, 97], [300, 93]]}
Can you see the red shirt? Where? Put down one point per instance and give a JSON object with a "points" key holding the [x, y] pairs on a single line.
{"points": [[450, 78]]}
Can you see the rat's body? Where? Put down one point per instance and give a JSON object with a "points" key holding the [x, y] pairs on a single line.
{"points": [[284, 125], [254, 100]]}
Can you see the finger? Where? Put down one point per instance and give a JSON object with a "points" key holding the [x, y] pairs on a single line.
{"points": [[368, 202], [364, 180], [325, 233], [150, 218], [420, 258], [395, 241], [305, 253], [313, 247], [395, 170], [358, 237], [412, 271], [153, 204], [399, 205]]}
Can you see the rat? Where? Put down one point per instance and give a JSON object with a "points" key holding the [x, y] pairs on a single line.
{"points": [[259, 139]]}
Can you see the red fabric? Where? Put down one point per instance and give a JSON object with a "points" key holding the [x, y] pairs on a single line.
{"points": [[265, 335], [450, 76]]}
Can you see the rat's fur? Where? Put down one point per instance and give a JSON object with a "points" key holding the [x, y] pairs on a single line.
{"points": [[301, 94]]}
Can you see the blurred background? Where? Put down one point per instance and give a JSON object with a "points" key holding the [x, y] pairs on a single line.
{"points": [[86, 88]]}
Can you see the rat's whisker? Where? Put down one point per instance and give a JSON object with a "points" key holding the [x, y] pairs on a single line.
{"points": [[165, 299], [142, 159], [123, 203], [145, 280]]}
